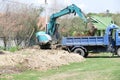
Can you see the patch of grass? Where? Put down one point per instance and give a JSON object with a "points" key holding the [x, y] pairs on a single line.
{"points": [[1, 48], [13, 49], [103, 67]]}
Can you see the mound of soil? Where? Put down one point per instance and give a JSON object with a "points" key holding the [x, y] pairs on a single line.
{"points": [[38, 59]]}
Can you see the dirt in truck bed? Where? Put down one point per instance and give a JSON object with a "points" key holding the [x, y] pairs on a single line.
{"points": [[35, 59]]}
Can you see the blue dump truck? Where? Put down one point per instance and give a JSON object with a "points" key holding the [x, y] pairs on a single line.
{"points": [[81, 45], [110, 42]]}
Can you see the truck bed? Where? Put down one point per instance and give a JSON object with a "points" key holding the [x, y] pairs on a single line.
{"points": [[84, 41]]}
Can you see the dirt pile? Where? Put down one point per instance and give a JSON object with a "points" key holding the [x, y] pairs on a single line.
{"points": [[39, 59], [49, 59]]}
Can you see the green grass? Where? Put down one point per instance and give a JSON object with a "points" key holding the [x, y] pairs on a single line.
{"points": [[94, 68], [13, 49]]}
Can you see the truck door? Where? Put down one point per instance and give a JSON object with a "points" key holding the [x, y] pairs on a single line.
{"points": [[117, 36], [118, 42]]}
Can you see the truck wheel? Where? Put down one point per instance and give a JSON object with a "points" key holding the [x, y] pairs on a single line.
{"points": [[80, 52], [118, 52]]}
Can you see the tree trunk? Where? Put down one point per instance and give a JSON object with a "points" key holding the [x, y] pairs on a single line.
{"points": [[5, 43]]}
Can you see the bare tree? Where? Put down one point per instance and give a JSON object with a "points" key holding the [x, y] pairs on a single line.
{"points": [[19, 23]]}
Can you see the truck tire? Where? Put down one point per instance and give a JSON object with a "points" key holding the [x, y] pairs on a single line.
{"points": [[118, 52], [81, 52]]}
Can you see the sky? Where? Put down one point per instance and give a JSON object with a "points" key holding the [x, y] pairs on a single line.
{"points": [[86, 5]]}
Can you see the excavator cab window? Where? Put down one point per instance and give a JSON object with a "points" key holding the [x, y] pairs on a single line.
{"points": [[56, 35], [57, 25]]}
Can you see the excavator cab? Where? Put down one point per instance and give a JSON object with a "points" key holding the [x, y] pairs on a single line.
{"points": [[56, 36]]}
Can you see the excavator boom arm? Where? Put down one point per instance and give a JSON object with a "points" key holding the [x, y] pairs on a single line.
{"points": [[70, 9]]}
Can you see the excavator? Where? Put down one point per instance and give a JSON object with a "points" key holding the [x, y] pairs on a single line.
{"points": [[51, 35]]}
